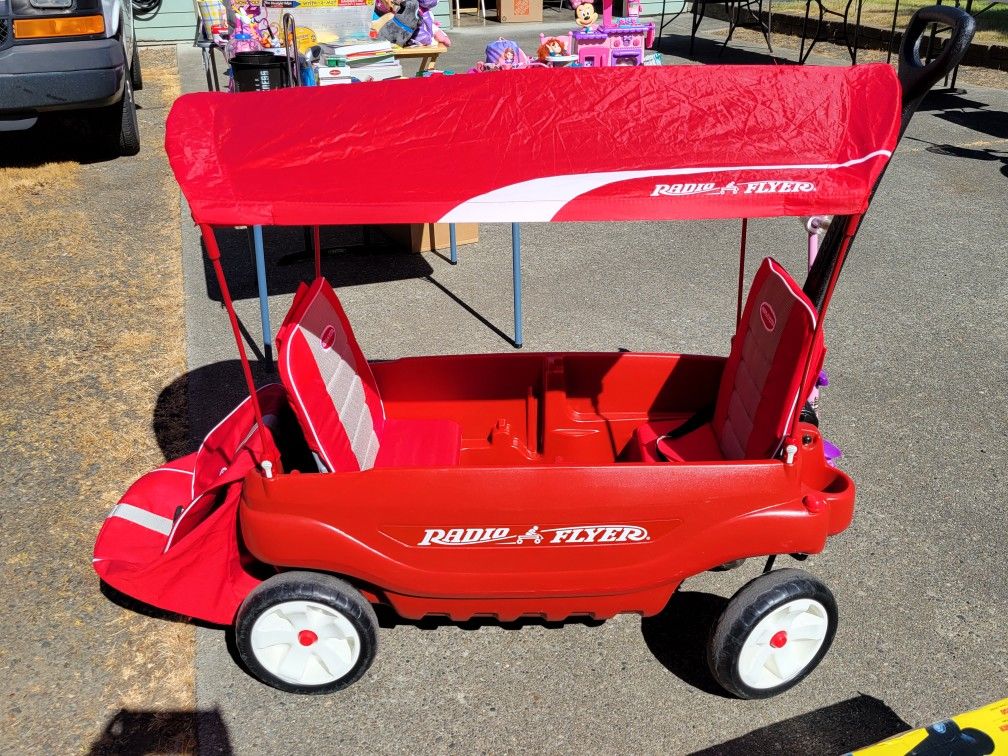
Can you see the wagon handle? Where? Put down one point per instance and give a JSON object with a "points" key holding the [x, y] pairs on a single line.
{"points": [[917, 76]]}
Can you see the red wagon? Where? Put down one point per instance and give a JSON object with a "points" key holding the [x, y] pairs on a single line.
{"points": [[509, 485]]}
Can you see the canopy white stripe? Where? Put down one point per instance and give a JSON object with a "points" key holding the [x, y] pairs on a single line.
{"points": [[539, 200]]}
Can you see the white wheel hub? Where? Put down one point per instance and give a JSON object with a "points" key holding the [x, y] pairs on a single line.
{"points": [[783, 644], [305, 643]]}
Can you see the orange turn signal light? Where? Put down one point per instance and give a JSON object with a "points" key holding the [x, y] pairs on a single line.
{"points": [[67, 26]]}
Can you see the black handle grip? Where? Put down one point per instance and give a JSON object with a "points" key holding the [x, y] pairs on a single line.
{"points": [[916, 76]]}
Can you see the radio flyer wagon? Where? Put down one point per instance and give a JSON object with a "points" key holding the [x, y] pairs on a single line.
{"points": [[510, 485]]}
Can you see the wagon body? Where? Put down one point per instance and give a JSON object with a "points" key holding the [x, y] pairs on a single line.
{"points": [[543, 516]]}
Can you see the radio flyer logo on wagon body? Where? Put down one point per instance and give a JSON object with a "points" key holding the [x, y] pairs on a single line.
{"points": [[534, 535]]}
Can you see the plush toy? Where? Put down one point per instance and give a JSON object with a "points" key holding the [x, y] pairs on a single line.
{"points": [[440, 36], [400, 26], [425, 31], [584, 14], [505, 54]]}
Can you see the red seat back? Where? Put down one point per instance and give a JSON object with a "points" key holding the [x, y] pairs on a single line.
{"points": [[329, 383], [762, 381]]}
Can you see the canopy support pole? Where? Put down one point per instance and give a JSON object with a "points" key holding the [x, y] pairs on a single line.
{"points": [[213, 252], [516, 278], [452, 244], [849, 228], [260, 262], [317, 243], [741, 271]]}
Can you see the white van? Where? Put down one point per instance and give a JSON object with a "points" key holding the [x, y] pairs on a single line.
{"points": [[70, 55]]}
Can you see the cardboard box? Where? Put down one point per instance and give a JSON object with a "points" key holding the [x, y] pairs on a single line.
{"points": [[430, 237], [519, 11]]}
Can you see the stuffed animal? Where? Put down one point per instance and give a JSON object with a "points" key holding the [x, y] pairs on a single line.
{"points": [[425, 31], [429, 31], [400, 26], [440, 36]]}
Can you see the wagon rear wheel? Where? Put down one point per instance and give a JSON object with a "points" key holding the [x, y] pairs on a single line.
{"points": [[774, 631], [304, 632]]}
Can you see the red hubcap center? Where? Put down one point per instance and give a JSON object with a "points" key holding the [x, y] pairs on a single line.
{"points": [[779, 639], [307, 637]]}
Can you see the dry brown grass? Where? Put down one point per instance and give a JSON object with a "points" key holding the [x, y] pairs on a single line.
{"points": [[92, 327], [992, 26]]}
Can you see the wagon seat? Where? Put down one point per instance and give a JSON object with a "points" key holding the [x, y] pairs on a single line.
{"points": [[334, 395], [761, 383]]}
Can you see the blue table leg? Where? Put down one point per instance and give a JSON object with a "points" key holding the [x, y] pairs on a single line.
{"points": [[452, 243], [516, 281], [260, 261]]}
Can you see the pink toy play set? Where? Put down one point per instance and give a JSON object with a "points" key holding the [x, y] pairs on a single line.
{"points": [[614, 42]]}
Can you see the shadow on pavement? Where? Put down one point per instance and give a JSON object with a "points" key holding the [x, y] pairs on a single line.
{"points": [[677, 637], [839, 728], [138, 607], [968, 113], [972, 154], [712, 50], [191, 405], [150, 732], [56, 137], [351, 256]]}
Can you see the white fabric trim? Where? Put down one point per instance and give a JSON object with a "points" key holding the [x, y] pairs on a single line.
{"points": [[142, 517], [778, 270], [297, 394], [539, 200]]}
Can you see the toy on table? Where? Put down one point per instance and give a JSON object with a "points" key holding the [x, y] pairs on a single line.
{"points": [[584, 14], [555, 51], [505, 53], [429, 31], [614, 42], [440, 36], [398, 25], [251, 18], [554, 45]]}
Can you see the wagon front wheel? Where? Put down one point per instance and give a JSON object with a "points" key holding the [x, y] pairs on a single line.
{"points": [[774, 631], [305, 632]]}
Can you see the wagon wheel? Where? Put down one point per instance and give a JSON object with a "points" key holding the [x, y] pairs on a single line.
{"points": [[774, 631], [304, 632]]}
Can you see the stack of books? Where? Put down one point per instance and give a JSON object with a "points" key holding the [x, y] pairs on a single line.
{"points": [[367, 61]]}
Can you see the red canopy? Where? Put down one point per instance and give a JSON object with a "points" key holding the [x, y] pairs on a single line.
{"points": [[644, 143]]}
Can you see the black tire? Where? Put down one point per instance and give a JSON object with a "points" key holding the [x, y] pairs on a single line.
{"points": [[116, 129], [136, 75], [317, 588], [129, 129], [754, 602]]}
